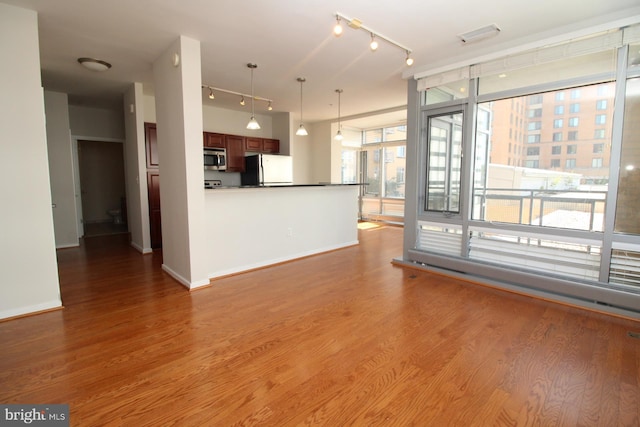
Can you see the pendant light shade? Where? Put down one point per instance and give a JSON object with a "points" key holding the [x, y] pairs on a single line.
{"points": [[253, 123], [338, 136], [301, 130]]}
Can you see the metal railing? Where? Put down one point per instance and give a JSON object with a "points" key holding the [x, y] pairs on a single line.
{"points": [[573, 209]]}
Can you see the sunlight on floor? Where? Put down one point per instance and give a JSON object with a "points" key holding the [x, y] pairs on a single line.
{"points": [[367, 225]]}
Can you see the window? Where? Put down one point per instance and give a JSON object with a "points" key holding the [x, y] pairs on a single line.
{"points": [[533, 151], [596, 162], [534, 125], [535, 112], [599, 134], [559, 96], [601, 119], [555, 163], [573, 135], [535, 99], [531, 164], [400, 175], [575, 94], [533, 138], [598, 148], [557, 123], [570, 163], [557, 136], [574, 108], [572, 149], [573, 122], [556, 149], [401, 151], [559, 109], [601, 104], [444, 162], [628, 204]]}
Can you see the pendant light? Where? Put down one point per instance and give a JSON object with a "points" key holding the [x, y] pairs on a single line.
{"points": [[301, 130], [253, 123], [339, 133]]}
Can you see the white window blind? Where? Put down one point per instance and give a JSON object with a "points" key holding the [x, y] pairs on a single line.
{"points": [[570, 49]]}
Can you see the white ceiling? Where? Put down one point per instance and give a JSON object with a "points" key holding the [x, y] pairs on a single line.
{"points": [[289, 39]]}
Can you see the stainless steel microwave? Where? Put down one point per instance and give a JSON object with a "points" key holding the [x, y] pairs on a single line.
{"points": [[215, 159]]}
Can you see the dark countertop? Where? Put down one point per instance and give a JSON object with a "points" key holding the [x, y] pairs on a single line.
{"points": [[322, 184]]}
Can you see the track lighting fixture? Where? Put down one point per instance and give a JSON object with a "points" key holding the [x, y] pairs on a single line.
{"points": [[211, 95], [409, 60], [374, 43], [253, 123], [337, 30], [242, 101], [301, 130], [338, 136], [356, 24]]}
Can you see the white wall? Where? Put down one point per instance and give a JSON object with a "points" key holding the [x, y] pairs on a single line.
{"points": [[60, 154], [97, 122], [27, 248], [264, 226], [179, 126], [135, 169]]}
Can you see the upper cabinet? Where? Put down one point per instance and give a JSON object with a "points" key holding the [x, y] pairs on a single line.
{"points": [[261, 145], [151, 142], [214, 140]]}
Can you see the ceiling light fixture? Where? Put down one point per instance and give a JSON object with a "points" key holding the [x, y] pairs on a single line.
{"points": [[480, 34], [94, 64], [356, 24], [339, 133], [337, 30], [409, 59], [242, 101], [253, 123], [301, 130], [211, 96], [374, 43], [245, 95]]}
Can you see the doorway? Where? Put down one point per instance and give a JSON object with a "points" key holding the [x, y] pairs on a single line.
{"points": [[102, 187]]}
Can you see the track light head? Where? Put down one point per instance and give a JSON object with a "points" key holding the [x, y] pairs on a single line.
{"points": [[211, 96], [242, 101], [374, 43], [337, 30], [409, 60]]}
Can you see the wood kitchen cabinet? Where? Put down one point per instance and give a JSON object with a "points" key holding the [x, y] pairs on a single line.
{"points": [[235, 153], [261, 145], [270, 145], [214, 140]]}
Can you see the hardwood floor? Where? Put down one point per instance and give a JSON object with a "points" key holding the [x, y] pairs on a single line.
{"points": [[343, 338]]}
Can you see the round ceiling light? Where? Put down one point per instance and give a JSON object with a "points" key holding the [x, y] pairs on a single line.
{"points": [[94, 64]]}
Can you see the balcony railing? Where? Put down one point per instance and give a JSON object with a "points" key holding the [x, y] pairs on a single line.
{"points": [[572, 209]]}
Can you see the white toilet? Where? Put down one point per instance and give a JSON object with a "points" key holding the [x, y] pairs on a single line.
{"points": [[116, 214]]}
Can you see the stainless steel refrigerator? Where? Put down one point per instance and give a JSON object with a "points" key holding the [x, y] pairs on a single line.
{"points": [[268, 169]]}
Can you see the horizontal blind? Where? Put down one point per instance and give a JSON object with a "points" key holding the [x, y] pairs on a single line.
{"points": [[573, 48]]}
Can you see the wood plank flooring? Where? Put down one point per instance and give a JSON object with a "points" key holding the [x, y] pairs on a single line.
{"points": [[343, 338]]}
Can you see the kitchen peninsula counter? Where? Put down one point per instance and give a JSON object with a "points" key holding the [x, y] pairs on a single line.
{"points": [[250, 227]]}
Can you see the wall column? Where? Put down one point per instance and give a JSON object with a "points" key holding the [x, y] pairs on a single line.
{"points": [[177, 82], [27, 247]]}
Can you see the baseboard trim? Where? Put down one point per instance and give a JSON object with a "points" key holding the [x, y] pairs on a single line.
{"points": [[140, 249], [31, 310], [183, 281]]}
